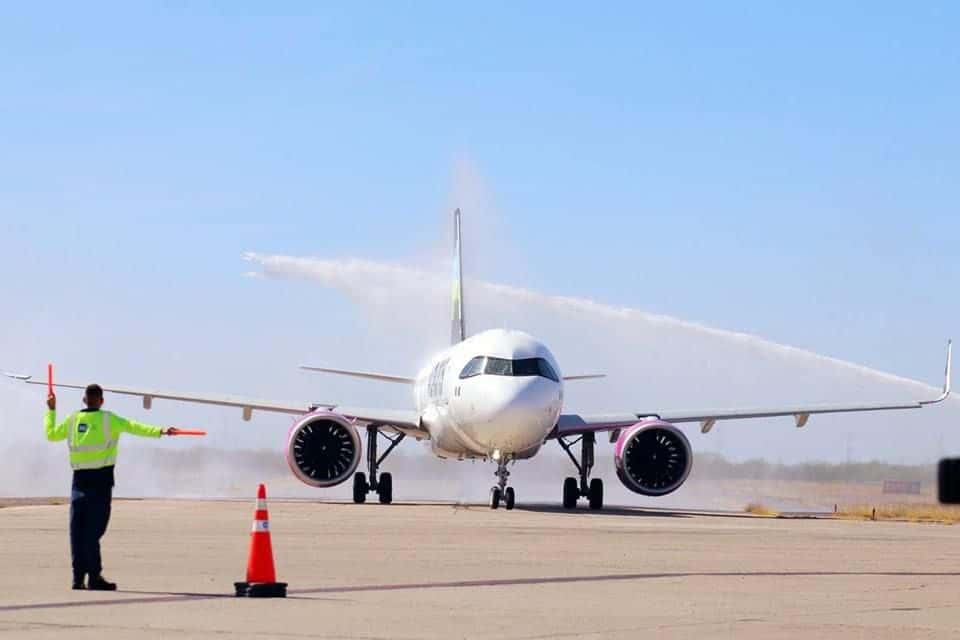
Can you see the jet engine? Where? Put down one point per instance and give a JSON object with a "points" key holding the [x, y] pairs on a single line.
{"points": [[653, 458], [323, 449]]}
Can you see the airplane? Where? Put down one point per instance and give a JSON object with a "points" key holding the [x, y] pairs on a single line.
{"points": [[496, 396]]}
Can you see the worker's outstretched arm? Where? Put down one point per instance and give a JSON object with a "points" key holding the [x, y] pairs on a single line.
{"points": [[136, 428], [54, 431]]}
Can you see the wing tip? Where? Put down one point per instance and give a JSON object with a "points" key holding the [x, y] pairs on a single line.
{"points": [[947, 378], [948, 382]]}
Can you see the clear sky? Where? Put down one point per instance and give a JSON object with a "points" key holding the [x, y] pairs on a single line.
{"points": [[787, 171]]}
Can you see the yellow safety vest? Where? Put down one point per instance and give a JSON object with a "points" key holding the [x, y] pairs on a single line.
{"points": [[93, 436]]}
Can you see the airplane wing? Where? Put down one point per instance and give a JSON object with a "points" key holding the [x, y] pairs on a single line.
{"points": [[400, 420], [383, 377], [571, 424]]}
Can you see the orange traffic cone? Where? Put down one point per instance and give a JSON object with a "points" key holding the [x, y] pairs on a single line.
{"points": [[261, 575]]}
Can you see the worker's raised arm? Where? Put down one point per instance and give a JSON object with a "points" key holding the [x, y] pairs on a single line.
{"points": [[54, 431], [119, 423]]}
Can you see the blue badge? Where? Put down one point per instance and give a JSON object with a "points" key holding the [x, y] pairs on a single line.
{"points": [[82, 428]]}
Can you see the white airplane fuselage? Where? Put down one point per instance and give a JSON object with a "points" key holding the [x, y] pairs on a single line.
{"points": [[505, 406]]}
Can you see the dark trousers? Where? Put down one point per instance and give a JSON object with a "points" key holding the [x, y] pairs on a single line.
{"points": [[89, 516]]}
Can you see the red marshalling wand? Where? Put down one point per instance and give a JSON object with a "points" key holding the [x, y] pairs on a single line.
{"points": [[174, 431]]}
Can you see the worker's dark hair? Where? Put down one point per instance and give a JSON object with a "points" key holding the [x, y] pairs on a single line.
{"points": [[93, 392]]}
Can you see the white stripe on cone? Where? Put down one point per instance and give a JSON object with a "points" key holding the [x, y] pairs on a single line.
{"points": [[261, 505], [261, 525]]}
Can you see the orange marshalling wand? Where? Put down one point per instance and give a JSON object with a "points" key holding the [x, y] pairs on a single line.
{"points": [[50, 379], [174, 431]]}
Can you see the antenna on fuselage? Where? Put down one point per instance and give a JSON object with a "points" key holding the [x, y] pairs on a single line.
{"points": [[458, 328]]}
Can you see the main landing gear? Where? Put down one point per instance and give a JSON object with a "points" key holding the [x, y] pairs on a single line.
{"points": [[382, 485], [587, 488], [501, 492]]}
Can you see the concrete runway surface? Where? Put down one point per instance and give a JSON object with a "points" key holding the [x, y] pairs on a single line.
{"points": [[446, 571]]}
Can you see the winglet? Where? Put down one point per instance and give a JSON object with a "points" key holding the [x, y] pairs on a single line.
{"points": [[947, 384], [458, 329]]}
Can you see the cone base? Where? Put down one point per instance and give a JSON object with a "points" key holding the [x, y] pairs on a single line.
{"points": [[261, 589]]}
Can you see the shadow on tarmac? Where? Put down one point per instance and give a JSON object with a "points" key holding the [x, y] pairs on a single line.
{"points": [[149, 597], [607, 511]]}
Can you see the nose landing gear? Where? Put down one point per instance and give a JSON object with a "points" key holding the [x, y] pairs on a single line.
{"points": [[586, 488], [500, 491], [382, 485]]}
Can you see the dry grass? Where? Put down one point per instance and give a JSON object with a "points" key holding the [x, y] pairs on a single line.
{"points": [[903, 512], [30, 502], [759, 509]]}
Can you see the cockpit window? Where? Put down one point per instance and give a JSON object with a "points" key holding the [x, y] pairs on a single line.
{"points": [[505, 367], [526, 367], [499, 367], [473, 368], [546, 370]]}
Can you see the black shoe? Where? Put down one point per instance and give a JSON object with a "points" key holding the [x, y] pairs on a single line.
{"points": [[78, 584], [97, 583]]}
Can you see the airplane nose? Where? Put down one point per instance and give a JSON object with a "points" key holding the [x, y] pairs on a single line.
{"points": [[517, 400], [515, 414]]}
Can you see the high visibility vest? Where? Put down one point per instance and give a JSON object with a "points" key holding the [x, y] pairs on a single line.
{"points": [[92, 440], [93, 436]]}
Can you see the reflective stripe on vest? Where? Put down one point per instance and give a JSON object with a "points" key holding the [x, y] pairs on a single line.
{"points": [[92, 455]]}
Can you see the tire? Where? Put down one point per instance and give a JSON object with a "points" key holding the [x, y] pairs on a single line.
{"points": [[571, 493], [360, 488], [495, 498], [509, 498], [596, 494], [385, 488]]}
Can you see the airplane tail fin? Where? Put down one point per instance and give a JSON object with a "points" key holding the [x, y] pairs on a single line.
{"points": [[458, 328]]}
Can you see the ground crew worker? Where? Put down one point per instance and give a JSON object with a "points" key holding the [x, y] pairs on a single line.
{"points": [[93, 436]]}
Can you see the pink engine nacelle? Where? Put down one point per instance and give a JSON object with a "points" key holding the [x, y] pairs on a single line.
{"points": [[323, 449], [653, 458]]}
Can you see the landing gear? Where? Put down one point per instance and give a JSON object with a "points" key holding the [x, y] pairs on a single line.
{"points": [[571, 493], [595, 495], [383, 485], [385, 488], [501, 492], [573, 489], [360, 488]]}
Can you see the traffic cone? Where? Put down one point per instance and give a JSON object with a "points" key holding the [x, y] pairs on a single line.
{"points": [[261, 575]]}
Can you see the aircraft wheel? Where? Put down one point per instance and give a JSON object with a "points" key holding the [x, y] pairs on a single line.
{"points": [[596, 494], [571, 493], [360, 488], [509, 498], [385, 488], [495, 497]]}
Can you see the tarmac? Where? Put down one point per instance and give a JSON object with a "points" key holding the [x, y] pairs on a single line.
{"points": [[454, 571]]}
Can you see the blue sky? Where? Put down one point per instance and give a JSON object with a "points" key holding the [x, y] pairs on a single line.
{"points": [[789, 171]]}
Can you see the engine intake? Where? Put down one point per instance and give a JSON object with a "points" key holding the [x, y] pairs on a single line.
{"points": [[653, 458], [323, 449]]}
